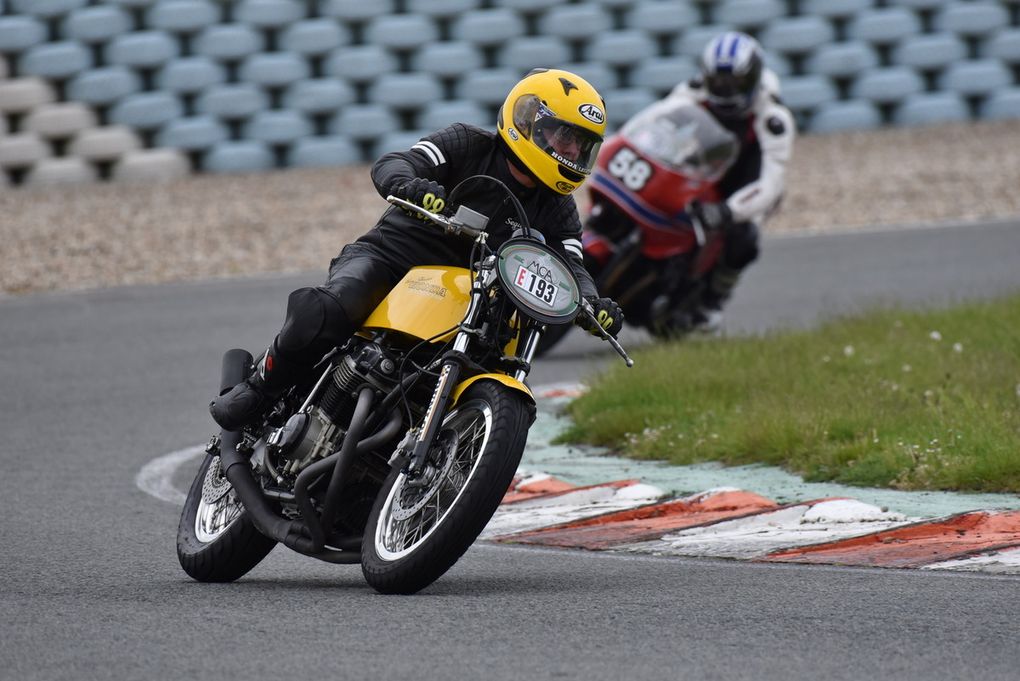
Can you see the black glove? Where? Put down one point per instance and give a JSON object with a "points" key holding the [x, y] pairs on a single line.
{"points": [[712, 216], [428, 194], [608, 314]]}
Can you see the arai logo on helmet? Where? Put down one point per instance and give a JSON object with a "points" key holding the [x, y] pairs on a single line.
{"points": [[512, 133], [592, 113], [565, 187]]}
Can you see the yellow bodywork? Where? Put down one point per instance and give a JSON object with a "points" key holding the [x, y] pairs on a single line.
{"points": [[508, 381], [426, 302]]}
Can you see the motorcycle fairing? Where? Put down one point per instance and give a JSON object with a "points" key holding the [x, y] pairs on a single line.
{"points": [[508, 381], [426, 302]]}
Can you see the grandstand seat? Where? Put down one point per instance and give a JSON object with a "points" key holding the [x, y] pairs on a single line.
{"points": [[808, 92], [1004, 104], [692, 41], [104, 144], [929, 51], [95, 24], [364, 122], [355, 10], [195, 133], [22, 149], [575, 22], [487, 86], [146, 110], [835, 9], [319, 96], [441, 114], [227, 42], [104, 85], [599, 75], [323, 152], [663, 18], [623, 103], [530, 52], [441, 8], [232, 101], [449, 59], [797, 34], [141, 49], [277, 127], [919, 4], [4, 69], [778, 64], [18, 33], [1004, 45], [488, 27], [972, 18], [842, 60], [151, 165], [21, 95], [397, 141], [55, 172], [749, 13], [182, 16], [405, 90], [314, 36], [190, 75], [884, 26], [274, 69], [928, 108], [663, 73], [530, 5], [269, 13], [845, 115], [61, 120], [360, 63], [620, 48], [246, 156], [978, 77], [46, 9], [55, 60], [402, 31], [887, 85]]}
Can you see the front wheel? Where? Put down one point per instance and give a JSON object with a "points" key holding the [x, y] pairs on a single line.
{"points": [[419, 529]]}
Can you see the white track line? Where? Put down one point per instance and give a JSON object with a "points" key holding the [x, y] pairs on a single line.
{"points": [[156, 477]]}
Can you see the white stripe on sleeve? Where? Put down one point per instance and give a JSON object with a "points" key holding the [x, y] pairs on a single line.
{"points": [[432, 151], [573, 246]]}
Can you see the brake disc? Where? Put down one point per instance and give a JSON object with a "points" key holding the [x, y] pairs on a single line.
{"points": [[412, 499], [215, 486]]}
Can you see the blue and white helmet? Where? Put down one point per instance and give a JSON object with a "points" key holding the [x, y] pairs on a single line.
{"points": [[731, 67]]}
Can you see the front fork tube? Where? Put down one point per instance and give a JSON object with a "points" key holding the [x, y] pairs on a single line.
{"points": [[528, 347]]}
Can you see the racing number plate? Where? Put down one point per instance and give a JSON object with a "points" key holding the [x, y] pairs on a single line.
{"points": [[540, 283], [533, 285]]}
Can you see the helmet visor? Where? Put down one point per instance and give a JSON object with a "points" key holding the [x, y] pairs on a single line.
{"points": [[571, 145]]}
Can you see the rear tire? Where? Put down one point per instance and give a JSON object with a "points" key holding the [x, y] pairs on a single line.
{"points": [[412, 537]]}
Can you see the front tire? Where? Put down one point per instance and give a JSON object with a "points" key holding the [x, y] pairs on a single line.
{"points": [[416, 533], [216, 540]]}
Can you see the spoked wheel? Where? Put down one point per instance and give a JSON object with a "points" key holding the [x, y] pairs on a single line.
{"points": [[419, 528], [216, 540]]}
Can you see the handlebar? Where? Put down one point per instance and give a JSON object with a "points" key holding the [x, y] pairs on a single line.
{"points": [[587, 309], [451, 225]]}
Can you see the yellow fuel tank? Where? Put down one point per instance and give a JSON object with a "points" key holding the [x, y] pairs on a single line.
{"points": [[426, 302]]}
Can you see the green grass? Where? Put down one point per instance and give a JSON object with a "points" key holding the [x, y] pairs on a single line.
{"points": [[894, 398]]}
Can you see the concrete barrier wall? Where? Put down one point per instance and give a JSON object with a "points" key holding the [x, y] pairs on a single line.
{"points": [[151, 89]]}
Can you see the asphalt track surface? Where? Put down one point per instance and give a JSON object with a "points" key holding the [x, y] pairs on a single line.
{"points": [[96, 384]]}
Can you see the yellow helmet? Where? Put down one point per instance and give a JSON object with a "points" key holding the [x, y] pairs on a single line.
{"points": [[553, 121]]}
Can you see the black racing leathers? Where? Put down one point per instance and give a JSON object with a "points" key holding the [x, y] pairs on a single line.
{"points": [[365, 271]]}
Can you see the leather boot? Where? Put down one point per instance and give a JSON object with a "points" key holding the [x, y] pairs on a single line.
{"points": [[247, 400]]}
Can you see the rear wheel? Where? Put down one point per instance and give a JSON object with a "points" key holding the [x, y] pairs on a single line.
{"points": [[417, 531]]}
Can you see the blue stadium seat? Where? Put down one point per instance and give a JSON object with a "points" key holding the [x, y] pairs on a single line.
{"points": [[978, 77], [47, 9], [441, 114], [692, 42], [182, 16], [314, 36], [843, 59], [232, 101], [190, 75], [355, 10], [94, 24], [972, 18], [55, 60], [779, 64], [663, 18], [620, 48], [442, 8], [846, 115], [887, 85], [141, 49], [920, 4], [146, 110], [104, 85], [749, 13], [323, 152], [228, 42], [269, 13], [663, 73], [928, 108], [405, 90], [245, 156], [18, 33], [797, 34], [277, 127], [808, 92], [320, 96], [841, 9], [402, 31], [530, 52], [487, 86], [1004, 104], [274, 69], [530, 5], [599, 75], [884, 26], [488, 27], [929, 51], [449, 59], [397, 141], [364, 122], [623, 103], [195, 133], [1004, 45], [360, 63], [575, 22]]}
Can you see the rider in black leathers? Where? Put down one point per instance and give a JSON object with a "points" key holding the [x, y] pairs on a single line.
{"points": [[549, 131]]}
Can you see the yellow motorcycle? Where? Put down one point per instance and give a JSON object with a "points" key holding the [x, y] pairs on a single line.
{"points": [[400, 451]]}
